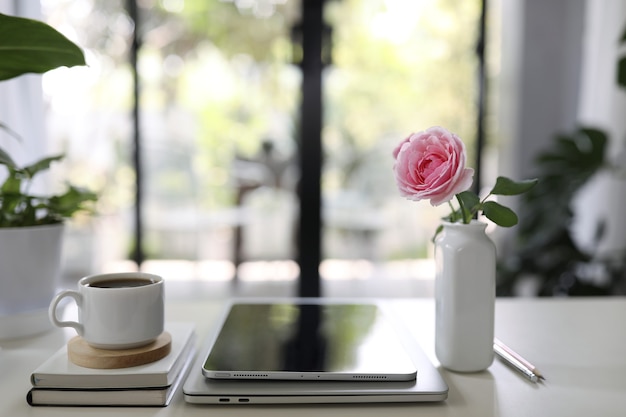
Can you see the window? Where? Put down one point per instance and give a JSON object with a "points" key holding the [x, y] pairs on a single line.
{"points": [[219, 118]]}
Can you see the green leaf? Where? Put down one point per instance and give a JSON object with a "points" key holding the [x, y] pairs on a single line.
{"points": [[568, 147], [10, 201], [5, 159], [506, 186], [470, 199], [437, 231], [597, 140], [42, 165], [12, 184], [499, 214], [470, 203], [10, 131], [30, 46], [73, 200], [621, 72]]}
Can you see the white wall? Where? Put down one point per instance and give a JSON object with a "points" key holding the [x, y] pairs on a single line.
{"points": [[558, 73], [540, 76], [603, 104]]}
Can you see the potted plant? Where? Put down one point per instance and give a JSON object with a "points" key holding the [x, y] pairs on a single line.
{"points": [[31, 225]]}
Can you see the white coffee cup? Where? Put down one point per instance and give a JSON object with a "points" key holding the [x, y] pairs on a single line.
{"points": [[117, 310]]}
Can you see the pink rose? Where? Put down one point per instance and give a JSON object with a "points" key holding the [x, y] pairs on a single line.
{"points": [[431, 165]]}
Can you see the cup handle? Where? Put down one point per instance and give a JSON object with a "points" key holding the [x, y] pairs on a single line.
{"points": [[52, 311]]}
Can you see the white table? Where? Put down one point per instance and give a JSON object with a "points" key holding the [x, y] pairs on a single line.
{"points": [[578, 344]]}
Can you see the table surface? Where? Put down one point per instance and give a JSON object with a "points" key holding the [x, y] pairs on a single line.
{"points": [[579, 344]]}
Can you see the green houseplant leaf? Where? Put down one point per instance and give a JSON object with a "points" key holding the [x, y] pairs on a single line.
{"points": [[73, 200], [42, 165], [18, 208], [506, 186], [5, 159], [621, 64], [28, 45], [621, 72], [499, 214]]}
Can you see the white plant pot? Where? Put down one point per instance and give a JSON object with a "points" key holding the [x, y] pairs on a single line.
{"points": [[30, 270]]}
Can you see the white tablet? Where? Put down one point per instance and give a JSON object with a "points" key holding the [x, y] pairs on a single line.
{"points": [[308, 339]]}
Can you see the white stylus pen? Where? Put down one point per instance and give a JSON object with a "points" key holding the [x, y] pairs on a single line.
{"points": [[516, 361]]}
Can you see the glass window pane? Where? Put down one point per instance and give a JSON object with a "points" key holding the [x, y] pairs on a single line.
{"points": [[397, 67], [219, 98], [88, 113]]}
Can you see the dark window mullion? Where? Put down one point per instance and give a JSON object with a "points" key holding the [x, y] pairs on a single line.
{"points": [[138, 253], [482, 97], [309, 190]]}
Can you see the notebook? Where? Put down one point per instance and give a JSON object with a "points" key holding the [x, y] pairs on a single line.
{"points": [[58, 372], [426, 387], [157, 396]]}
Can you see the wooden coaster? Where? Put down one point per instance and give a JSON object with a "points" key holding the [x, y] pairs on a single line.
{"points": [[80, 353]]}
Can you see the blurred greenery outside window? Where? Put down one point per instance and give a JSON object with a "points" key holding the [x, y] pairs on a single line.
{"points": [[219, 83]]}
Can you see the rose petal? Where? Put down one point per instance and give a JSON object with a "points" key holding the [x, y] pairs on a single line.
{"points": [[431, 165]]}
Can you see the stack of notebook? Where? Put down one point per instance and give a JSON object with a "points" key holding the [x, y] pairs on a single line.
{"points": [[58, 381]]}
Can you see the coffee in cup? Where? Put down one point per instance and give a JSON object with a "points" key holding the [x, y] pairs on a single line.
{"points": [[117, 310]]}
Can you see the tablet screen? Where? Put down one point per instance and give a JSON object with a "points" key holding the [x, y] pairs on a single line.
{"points": [[308, 341]]}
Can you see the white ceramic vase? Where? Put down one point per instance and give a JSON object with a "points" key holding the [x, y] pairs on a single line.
{"points": [[465, 281]]}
